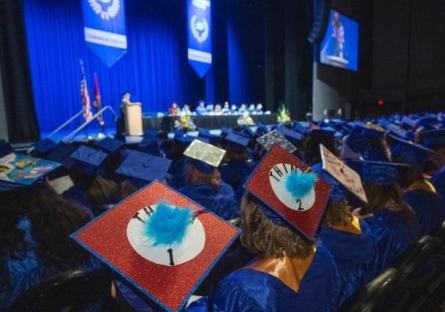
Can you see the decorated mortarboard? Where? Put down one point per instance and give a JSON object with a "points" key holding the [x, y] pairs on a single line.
{"points": [[144, 166], [110, 145], [160, 242], [337, 190], [378, 172], [205, 157], [21, 169], [410, 153], [61, 154], [286, 187], [434, 138], [291, 135], [275, 138], [5, 148], [342, 173], [236, 141], [89, 159], [45, 146]]}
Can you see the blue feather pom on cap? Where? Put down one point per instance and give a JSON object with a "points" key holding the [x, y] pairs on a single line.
{"points": [[299, 184], [168, 224]]}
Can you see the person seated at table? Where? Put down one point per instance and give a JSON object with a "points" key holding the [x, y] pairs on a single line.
{"points": [[392, 221], [251, 108], [210, 109], [418, 192], [259, 109], [348, 238], [226, 108], [234, 109], [174, 110], [242, 109], [290, 272], [204, 185], [186, 110], [218, 110], [35, 225], [201, 109]]}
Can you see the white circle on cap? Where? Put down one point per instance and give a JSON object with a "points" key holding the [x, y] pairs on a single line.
{"points": [[277, 177], [175, 254]]}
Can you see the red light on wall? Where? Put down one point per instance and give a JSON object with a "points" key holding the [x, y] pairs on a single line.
{"points": [[381, 103]]}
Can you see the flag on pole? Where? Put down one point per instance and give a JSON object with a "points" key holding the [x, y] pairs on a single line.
{"points": [[97, 101], [86, 106]]}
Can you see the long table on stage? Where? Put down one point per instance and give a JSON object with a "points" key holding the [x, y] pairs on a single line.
{"points": [[167, 123]]}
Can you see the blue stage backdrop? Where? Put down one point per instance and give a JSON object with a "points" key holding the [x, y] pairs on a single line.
{"points": [[155, 69]]}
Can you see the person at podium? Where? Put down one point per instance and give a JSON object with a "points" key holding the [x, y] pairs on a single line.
{"points": [[129, 124], [121, 121]]}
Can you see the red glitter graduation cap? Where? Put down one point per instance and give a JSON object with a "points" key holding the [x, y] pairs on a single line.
{"points": [[166, 268], [268, 184]]}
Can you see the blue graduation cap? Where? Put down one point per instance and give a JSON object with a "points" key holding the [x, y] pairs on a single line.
{"points": [[300, 128], [338, 192], [261, 129], [110, 145], [143, 167], [426, 122], [45, 146], [236, 141], [410, 153], [61, 154], [397, 131], [378, 172], [291, 135], [434, 138], [225, 131], [150, 145], [5, 148], [89, 159], [247, 130]]}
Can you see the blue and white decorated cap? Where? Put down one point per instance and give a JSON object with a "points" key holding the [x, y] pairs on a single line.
{"points": [[378, 172], [5, 148], [45, 146], [410, 153], [110, 145], [434, 138], [143, 166]]}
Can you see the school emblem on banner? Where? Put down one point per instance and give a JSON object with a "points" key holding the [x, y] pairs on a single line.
{"points": [[104, 27], [199, 16]]}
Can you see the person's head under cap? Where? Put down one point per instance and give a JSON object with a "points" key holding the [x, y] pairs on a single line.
{"points": [[435, 140], [5, 148], [312, 149], [43, 147], [142, 168], [87, 163]]}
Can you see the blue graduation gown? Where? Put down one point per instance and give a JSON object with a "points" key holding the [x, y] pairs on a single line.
{"points": [[252, 290], [429, 208], [22, 273], [394, 234], [220, 200], [438, 181], [354, 254]]}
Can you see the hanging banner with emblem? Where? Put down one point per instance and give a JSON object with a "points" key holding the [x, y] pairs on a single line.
{"points": [[199, 29], [104, 27]]}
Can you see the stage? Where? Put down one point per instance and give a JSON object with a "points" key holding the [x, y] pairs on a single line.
{"points": [[167, 123]]}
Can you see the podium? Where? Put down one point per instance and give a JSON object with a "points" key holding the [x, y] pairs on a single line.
{"points": [[133, 119]]}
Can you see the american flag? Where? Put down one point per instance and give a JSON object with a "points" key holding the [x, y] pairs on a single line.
{"points": [[86, 105]]}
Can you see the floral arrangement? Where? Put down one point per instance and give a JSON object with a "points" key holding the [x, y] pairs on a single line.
{"points": [[245, 120], [185, 123], [283, 114]]}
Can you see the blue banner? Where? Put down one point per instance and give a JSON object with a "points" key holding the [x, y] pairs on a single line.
{"points": [[199, 19], [104, 26]]}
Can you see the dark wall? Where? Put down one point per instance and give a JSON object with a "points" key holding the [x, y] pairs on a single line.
{"points": [[402, 48]]}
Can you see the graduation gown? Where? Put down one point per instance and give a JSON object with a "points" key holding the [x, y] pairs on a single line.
{"points": [[394, 234], [438, 181], [354, 249], [249, 289], [220, 200], [20, 273], [429, 208]]}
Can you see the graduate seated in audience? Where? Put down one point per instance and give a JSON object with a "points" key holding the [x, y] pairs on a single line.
{"points": [[290, 272], [203, 182], [435, 140], [392, 221], [311, 154], [348, 238], [35, 244]]}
